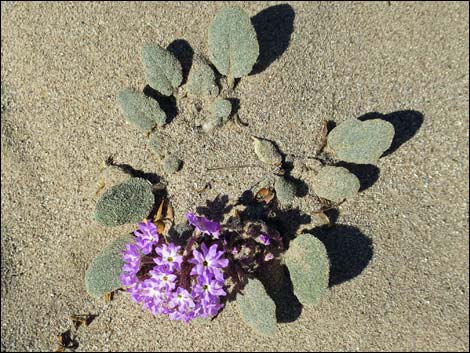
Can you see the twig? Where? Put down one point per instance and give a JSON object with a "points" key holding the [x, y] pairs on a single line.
{"points": [[233, 167]]}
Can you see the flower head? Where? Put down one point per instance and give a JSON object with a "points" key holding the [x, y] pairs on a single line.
{"points": [[169, 257], [209, 260], [204, 225], [208, 287]]}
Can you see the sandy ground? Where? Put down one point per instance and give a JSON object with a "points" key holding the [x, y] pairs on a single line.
{"points": [[64, 63]]}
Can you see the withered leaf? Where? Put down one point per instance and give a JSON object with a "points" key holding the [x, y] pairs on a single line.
{"points": [[85, 320], [160, 226], [108, 296], [158, 216], [66, 341], [265, 195]]}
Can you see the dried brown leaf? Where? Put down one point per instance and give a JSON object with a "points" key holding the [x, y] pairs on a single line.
{"points": [[160, 226], [158, 216], [265, 195], [108, 296]]}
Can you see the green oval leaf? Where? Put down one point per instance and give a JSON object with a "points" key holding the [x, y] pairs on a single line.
{"points": [[233, 46], [103, 274], [361, 142], [309, 268], [257, 308], [162, 70], [140, 110], [128, 202], [336, 184]]}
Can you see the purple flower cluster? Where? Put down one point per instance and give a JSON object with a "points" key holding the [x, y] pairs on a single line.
{"points": [[166, 280]]}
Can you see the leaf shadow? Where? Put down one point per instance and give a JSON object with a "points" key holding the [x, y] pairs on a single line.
{"points": [[276, 281], [348, 249], [367, 174], [183, 51], [215, 210], [167, 103], [273, 27], [406, 124]]}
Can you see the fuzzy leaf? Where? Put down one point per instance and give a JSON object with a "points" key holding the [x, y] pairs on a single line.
{"points": [[102, 276], [172, 164], [309, 268], [267, 151], [201, 79], [128, 202], [285, 190], [361, 142], [233, 46], [221, 108], [140, 110], [336, 184], [257, 308], [162, 70]]}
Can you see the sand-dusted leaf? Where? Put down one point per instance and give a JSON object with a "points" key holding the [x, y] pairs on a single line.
{"points": [[309, 268], [162, 70], [171, 164], [336, 184], [257, 308], [285, 190], [233, 46], [221, 108], [128, 202], [102, 276], [139, 110], [361, 142], [266, 151], [201, 79]]}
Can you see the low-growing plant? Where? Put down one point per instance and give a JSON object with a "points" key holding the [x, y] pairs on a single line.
{"points": [[191, 270]]}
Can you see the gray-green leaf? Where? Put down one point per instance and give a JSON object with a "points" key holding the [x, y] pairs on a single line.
{"points": [[201, 79], [140, 110], [266, 151], [221, 108], [336, 184], [361, 142], [128, 202], [162, 70], [257, 308], [309, 268], [285, 190], [102, 276], [233, 46]]}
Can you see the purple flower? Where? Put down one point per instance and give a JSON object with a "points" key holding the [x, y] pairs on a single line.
{"points": [[128, 279], [204, 225], [147, 236], [208, 261], [210, 308], [169, 257], [151, 289], [265, 238], [182, 300], [268, 257], [131, 258], [164, 279], [208, 287]]}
